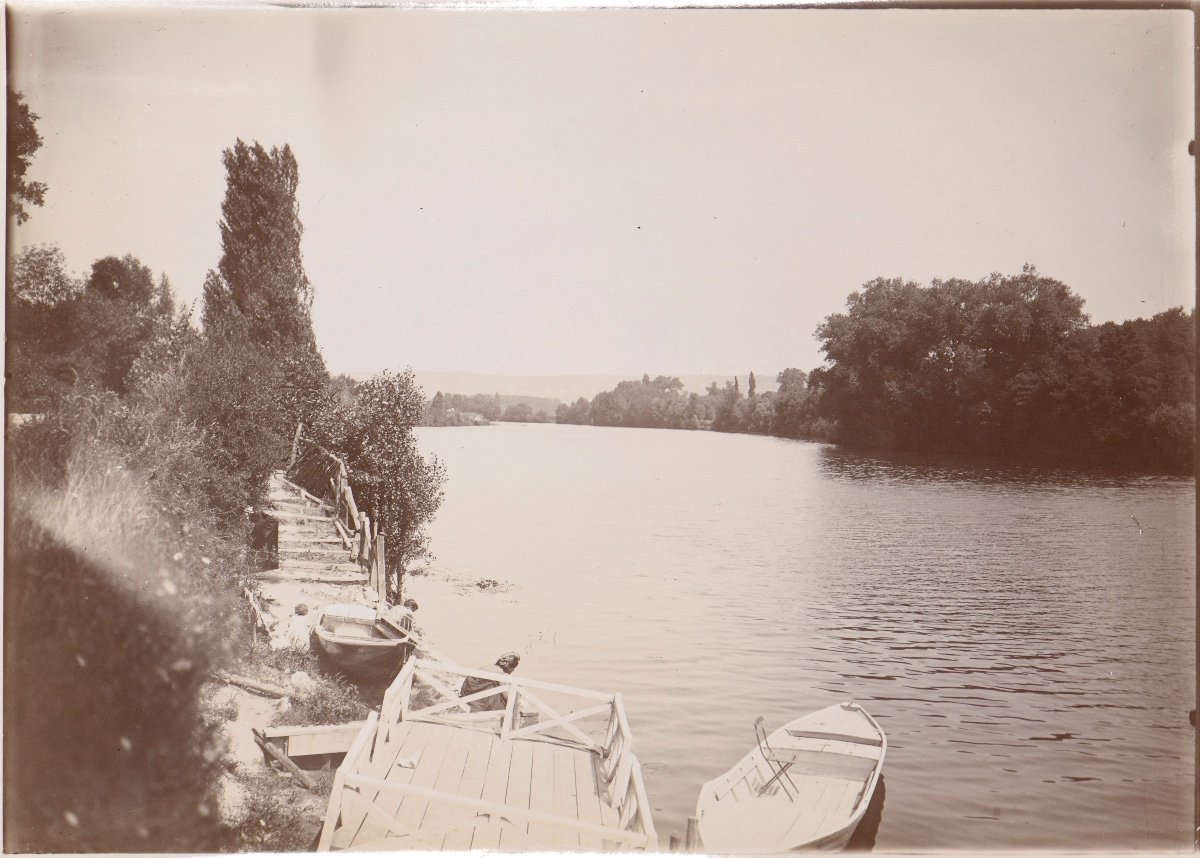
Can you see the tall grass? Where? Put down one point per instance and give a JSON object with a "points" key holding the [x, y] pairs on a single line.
{"points": [[115, 613]]}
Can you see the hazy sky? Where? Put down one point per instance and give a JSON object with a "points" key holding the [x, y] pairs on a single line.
{"points": [[616, 191]]}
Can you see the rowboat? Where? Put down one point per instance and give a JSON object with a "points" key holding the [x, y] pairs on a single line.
{"points": [[805, 786], [362, 641]]}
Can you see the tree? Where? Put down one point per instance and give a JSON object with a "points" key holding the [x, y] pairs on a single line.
{"points": [[126, 279], [39, 276], [260, 289], [727, 418], [519, 412], [23, 141], [40, 310], [790, 418], [392, 482], [934, 367], [165, 298]]}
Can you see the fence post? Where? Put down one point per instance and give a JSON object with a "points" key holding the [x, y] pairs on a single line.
{"points": [[381, 581], [691, 842], [295, 447], [364, 534]]}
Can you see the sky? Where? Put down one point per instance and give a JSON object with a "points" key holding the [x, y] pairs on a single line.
{"points": [[623, 191]]}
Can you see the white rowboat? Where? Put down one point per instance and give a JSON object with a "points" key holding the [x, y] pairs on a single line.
{"points": [[805, 786]]}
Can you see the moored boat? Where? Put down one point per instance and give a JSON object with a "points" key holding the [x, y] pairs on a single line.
{"points": [[362, 641], [805, 786]]}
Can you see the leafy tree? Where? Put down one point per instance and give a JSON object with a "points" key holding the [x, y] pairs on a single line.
{"points": [[789, 414], [579, 412], [229, 392], [657, 403], [40, 309], [260, 289], [165, 298], [23, 141], [392, 482], [727, 417], [39, 276], [1006, 365], [518, 413], [126, 279]]}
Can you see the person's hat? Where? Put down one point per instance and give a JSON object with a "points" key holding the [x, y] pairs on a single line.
{"points": [[509, 658]]}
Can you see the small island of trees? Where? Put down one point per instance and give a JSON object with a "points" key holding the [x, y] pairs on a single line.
{"points": [[1006, 366]]}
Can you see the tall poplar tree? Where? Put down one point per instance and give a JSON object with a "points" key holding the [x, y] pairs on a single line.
{"points": [[260, 289]]}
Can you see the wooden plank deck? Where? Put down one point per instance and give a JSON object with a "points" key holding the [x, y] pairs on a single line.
{"points": [[525, 774]]}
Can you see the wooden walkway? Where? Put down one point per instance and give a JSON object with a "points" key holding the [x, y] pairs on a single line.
{"points": [[436, 778], [521, 774]]}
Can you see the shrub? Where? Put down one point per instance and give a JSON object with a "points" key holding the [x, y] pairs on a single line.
{"points": [[327, 701]]}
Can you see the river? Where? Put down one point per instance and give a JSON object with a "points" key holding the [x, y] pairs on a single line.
{"points": [[1025, 636]]}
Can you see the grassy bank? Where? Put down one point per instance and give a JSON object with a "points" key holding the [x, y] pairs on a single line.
{"points": [[122, 599]]}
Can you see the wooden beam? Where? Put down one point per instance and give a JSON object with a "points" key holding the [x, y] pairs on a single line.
{"points": [[282, 758], [250, 684], [492, 808], [318, 739]]}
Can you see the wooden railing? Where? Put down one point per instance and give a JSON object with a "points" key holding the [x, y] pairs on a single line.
{"points": [[325, 477], [427, 691]]}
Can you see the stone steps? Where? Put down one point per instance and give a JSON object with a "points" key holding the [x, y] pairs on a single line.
{"points": [[286, 515], [306, 529], [309, 576], [325, 565], [314, 539]]}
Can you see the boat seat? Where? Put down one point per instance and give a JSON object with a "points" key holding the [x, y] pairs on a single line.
{"points": [[873, 741], [824, 764]]}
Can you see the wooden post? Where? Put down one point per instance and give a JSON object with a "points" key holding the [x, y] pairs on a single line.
{"points": [[294, 770], [295, 446], [381, 580], [675, 842], [691, 843], [364, 534]]}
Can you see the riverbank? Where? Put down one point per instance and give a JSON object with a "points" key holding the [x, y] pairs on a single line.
{"points": [[263, 806]]}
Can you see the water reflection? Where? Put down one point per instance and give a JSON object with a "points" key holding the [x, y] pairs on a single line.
{"points": [[863, 839], [839, 464]]}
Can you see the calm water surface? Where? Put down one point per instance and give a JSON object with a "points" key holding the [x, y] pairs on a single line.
{"points": [[1029, 651]]}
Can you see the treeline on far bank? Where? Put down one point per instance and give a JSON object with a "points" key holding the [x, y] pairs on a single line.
{"points": [[1006, 366]]}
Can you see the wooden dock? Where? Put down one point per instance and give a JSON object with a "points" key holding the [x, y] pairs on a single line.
{"points": [[552, 771]]}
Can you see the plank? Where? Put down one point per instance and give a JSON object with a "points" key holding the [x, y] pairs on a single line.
{"points": [[323, 739], [823, 797], [541, 791], [873, 741], [473, 778], [406, 743], [565, 803], [495, 789], [520, 774], [411, 809], [449, 779], [587, 798]]}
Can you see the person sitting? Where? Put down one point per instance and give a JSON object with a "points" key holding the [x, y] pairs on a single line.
{"points": [[400, 617], [475, 684]]}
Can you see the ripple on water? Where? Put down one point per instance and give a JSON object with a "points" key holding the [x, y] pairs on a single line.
{"points": [[1027, 650]]}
